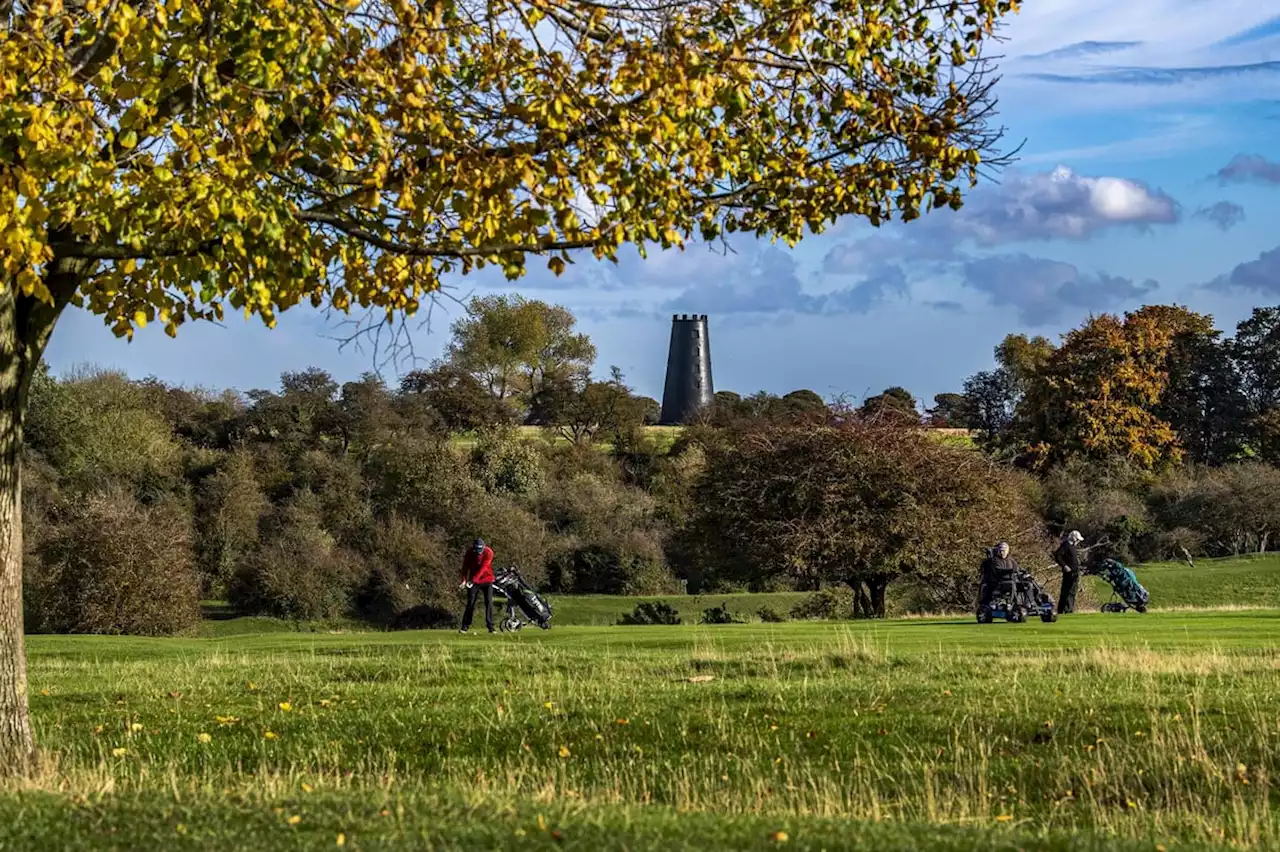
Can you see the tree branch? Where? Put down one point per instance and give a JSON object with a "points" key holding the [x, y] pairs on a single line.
{"points": [[353, 229], [71, 248]]}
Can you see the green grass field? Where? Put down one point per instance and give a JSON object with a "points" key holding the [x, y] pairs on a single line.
{"points": [[661, 436], [1117, 732], [1097, 732]]}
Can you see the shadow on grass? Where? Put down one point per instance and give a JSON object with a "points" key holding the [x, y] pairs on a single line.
{"points": [[217, 611]]}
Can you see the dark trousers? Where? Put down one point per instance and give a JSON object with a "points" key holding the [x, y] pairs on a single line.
{"points": [[1067, 594], [477, 589]]}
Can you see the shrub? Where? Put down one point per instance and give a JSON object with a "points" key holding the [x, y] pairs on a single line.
{"points": [[410, 571], [629, 567], [422, 479], [502, 463], [339, 492], [612, 543], [769, 615], [651, 612], [833, 602], [297, 571], [111, 565], [719, 615], [229, 505], [97, 428], [426, 617], [1234, 509]]}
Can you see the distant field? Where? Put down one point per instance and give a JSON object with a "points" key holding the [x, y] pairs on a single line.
{"points": [[1096, 733], [665, 436], [662, 436]]}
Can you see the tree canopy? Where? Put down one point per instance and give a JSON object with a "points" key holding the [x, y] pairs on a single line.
{"points": [[164, 160], [856, 502]]}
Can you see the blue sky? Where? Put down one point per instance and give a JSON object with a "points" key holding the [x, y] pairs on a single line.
{"points": [[1150, 173]]}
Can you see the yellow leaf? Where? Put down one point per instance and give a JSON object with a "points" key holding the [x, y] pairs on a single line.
{"points": [[140, 319]]}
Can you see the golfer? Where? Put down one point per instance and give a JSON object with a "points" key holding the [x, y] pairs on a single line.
{"points": [[1068, 559], [477, 579]]}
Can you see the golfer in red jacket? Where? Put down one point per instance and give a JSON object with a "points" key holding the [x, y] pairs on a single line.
{"points": [[477, 578]]}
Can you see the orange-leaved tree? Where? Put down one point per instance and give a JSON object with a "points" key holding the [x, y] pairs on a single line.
{"points": [[164, 160], [1098, 394]]}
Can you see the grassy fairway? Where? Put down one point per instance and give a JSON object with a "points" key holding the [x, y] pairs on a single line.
{"points": [[1241, 581], [1096, 732]]}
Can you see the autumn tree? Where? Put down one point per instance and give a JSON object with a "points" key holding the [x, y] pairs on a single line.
{"points": [[163, 161], [1098, 394], [1023, 358], [859, 503]]}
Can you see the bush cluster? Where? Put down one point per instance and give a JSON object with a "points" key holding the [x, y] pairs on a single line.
{"points": [[318, 502]]}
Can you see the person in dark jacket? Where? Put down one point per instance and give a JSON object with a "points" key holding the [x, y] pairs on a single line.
{"points": [[996, 568], [477, 579], [1068, 559]]}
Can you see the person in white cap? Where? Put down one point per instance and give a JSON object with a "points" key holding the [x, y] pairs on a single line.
{"points": [[1068, 559]]}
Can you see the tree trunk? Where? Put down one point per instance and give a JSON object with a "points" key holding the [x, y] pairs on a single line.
{"points": [[861, 600], [17, 745], [25, 326], [877, 587]]}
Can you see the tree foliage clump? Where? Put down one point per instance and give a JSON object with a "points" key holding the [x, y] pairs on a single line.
{"points": [[860, 504]]}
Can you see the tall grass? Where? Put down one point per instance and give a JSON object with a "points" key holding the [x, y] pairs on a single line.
{"points": [[1164, 728]]}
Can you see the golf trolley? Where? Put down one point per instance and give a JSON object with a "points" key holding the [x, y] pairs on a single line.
{"points": [[1126, 592], [521, 598]]}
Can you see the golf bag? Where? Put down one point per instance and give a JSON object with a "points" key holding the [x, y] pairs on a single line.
{"points": [[1124, 584], [521, 598]]}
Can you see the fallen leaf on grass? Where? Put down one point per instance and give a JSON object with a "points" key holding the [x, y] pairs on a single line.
{"points": [[701, 678], [779, 837]]}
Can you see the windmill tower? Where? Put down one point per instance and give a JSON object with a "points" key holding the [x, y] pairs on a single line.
{"points": [[688, 387]]}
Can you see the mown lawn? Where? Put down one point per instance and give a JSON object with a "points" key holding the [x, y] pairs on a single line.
{"points": [[1129, 732], [1247, 582]]}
